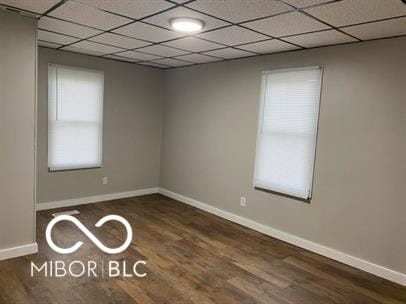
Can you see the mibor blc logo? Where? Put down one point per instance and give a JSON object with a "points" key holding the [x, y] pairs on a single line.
{"points": [[77, 268], [90, 235]]}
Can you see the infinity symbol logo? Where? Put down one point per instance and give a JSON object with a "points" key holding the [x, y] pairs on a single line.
{"points": [[90, 235]]}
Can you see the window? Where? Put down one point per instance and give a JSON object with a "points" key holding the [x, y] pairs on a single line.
{"points": [[287, 131], [75, 118]]}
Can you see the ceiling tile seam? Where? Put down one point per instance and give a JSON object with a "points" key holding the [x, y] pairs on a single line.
{"points": [[131, 22], [302, 10], [13, 9], [336, 28], [51, 31], [52, 8], [104, 10], [42, 40], [73, 22], [215, 57], [372, 21], [180, 4], [279, 52], [156, 43], [242, 26]]}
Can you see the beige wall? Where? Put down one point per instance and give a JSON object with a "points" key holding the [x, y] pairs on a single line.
{"points": [[358, 206], [133, 98], [18, 57]]}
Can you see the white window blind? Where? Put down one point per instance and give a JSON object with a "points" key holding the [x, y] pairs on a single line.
{"points": [[287, 131], [75, 118]]}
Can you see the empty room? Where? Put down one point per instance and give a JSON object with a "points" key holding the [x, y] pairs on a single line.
{"points": [[203, 151]]}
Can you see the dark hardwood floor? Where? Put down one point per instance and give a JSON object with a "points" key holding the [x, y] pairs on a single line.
{"points": [[192, 257]]}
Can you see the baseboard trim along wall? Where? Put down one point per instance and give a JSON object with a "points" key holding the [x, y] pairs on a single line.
{"points": [[339, 256], [18, 251], [93, 199]]}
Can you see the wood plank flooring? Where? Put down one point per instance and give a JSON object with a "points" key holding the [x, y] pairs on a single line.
{"points": [[192, 257]]}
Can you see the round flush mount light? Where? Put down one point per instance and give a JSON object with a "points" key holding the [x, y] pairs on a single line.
{"points": [[186, 25]]}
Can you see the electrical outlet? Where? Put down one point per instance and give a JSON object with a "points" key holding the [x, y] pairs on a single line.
{"points": [[243, 201], [105, 180]]}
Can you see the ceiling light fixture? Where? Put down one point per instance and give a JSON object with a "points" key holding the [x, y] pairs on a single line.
{"points": [[186, 25]]}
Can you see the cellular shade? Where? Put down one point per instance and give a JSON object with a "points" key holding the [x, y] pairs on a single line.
{"points": [[287, 131], [75, 118]]}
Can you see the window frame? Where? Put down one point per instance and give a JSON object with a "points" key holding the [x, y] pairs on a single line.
{"points": [[53, 65], [264, 75]]}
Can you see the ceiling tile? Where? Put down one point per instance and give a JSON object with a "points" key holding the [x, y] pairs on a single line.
{"points": [[229, 53], [180, 1], [193, 44], [67, 28], [348, 12], [269, 46], [55, 38], [156, 65], [198, 58], [49, 44], [86, 15], [320, 38], [240, 10], [163, 19], [96, 47], [305, 3], [119, 41], [172, 62], [286, 24], [161, 50], [30, 5], [82, 51], [138, 55], [232, 35], [147, 32], [131, 8], [116, 57], [388, 28]]}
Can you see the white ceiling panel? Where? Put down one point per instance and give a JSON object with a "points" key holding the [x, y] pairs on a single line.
{"points": [[120, 41], [82, 51], [155, 65], [388, 28], [180, 1], [229, 53], [349, 12], [162, 50], [115, 57], [80, 24], [320, 38], [198, 58], [232, 35], [96, 47], [269, 46], [305, 3], [240, 10], [31, 5], [286, 24], [55, 38], [172, 62], [163, 19], [147, 32], [138, 55], [86, 15], [67, 28], [132, 8], [49, 44], [193, 44]]}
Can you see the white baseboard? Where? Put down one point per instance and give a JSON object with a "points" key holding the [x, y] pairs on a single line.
{"points": [[93, 199], [342, 257], [18, 251]]}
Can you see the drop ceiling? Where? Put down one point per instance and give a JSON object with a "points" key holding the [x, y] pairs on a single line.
{"points": [[137, 31]]}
